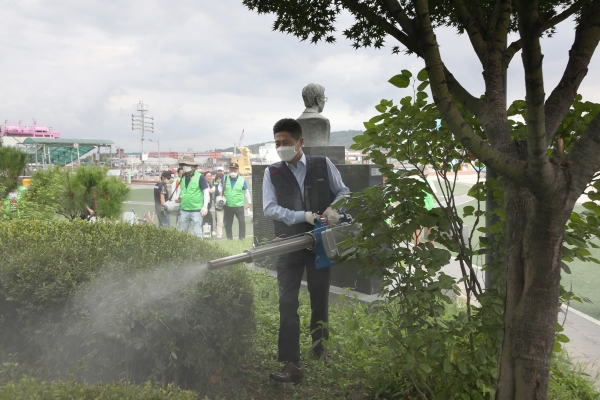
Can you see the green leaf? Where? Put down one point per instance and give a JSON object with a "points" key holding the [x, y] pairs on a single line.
{"points": [[422, 86], [422, 75], [561, 337], [447, 367], [468, 210], [380, 107], [400, 81], [557, 347], [425, 367], [406, 73], [422, 95]]}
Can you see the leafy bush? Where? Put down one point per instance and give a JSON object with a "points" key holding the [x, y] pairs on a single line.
{"points": [[90, 186], [130, 302], [28, 388], [39, 200], [12, 162]]}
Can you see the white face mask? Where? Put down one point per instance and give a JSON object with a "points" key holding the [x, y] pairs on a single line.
{"points": [[187, 168], [287, 153], [233, 175]]}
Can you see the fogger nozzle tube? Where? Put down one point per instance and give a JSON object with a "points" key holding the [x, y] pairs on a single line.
{"points": [[269, 250]]}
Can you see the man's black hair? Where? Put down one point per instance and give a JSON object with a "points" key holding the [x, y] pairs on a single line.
{"points": [[288, 125], [179, 169]]}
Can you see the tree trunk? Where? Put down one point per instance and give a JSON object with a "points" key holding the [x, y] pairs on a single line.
{"points": [[534, 238]]}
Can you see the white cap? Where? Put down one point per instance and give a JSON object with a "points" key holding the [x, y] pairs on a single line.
{"points": [[220, 169]]}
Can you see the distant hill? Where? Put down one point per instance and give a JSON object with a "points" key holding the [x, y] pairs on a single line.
{"points": [[343, 138], [339, 138]]}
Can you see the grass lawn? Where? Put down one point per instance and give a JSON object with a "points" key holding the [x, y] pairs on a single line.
{"points": [[584, 279]]}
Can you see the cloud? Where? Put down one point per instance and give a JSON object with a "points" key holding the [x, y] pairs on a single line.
{"points": [[207, 69]]}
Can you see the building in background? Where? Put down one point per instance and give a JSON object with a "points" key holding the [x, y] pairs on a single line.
{"points": [[11, 135]]}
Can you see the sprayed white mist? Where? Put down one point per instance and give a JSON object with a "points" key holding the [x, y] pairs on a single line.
{"points": [[120, 294]]}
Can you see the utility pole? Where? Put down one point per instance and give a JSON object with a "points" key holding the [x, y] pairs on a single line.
{"points": [[138, 122], [159, 158]]}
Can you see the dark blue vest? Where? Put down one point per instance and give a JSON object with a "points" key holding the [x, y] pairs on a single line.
{"points": [[317, 193]]}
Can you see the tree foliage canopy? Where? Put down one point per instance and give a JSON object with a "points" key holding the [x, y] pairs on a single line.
{"points": [[541, 178]]}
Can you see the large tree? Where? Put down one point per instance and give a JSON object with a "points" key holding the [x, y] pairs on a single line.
{"points": [[542, 181]]}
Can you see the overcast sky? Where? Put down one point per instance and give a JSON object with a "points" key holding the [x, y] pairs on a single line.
{"points": [[207, 70]]}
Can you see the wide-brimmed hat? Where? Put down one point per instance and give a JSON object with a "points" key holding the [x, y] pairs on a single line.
{"points": [[234, 165], [188, 160]]}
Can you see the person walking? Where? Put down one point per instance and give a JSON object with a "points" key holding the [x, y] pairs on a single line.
{"points": [[194, 197], [219, 210], [208, 219], [233, 187], [295, 191], [161, 195]]}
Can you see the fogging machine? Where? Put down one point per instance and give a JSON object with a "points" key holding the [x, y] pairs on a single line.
{"points": [[326, 241]]}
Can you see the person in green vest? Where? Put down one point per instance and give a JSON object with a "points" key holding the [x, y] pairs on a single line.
{"points": [[234, 187], [428, 201], [194, 197]]}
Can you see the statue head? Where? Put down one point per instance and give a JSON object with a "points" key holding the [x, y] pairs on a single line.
{"points": [[314, 96]]}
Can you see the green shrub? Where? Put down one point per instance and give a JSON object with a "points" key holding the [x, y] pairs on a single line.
{"points": [[90, 186], [29, 388], [12, 162], [130, 302]]}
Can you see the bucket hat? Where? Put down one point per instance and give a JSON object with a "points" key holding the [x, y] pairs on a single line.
{"points": [[188, 160]]}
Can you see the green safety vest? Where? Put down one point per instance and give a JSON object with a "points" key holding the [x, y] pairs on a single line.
{"points": [[192, 197], [429, 199], [234, 196]]}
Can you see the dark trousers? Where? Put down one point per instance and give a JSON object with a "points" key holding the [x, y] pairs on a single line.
{"points": [[208, 219], [229, 213], [163, 219], [290, 268]]}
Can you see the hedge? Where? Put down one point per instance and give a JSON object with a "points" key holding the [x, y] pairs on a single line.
{"points": [[120, 302]]}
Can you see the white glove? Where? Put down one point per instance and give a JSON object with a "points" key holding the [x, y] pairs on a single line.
{"points": [[332, 216], [310, 217], [203, 212]]}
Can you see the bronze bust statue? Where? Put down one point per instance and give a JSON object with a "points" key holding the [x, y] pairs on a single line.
{"points": [[315, 127]]}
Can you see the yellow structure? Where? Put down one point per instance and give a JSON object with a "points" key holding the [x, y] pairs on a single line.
{"points": [[243, 160]]}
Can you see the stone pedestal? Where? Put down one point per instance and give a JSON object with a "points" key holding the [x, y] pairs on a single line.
{"points": [[337, 154]]}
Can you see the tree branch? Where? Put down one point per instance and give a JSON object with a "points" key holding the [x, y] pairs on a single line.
{"points": [[584, 159], [493, 18], [586, 40], [510, 52], [472, 28], [366, 12], [552, 22], [537, 147], [471, 103], [507, 166], [399, 15], [557, 19], [479, 16]]}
